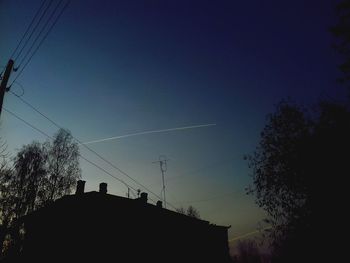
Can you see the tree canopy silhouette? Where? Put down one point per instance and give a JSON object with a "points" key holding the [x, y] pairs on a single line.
{"points": [[62, 165], [27, 180], [247, 252], [191, 211], [6, 198], [41, 173], [300, 158], [342, 33]]}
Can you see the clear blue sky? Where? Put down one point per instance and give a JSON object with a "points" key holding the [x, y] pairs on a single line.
{"points": [[111, 68]]}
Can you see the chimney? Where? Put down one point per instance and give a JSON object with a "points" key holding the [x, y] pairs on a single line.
{"points": [[103, 188], [80, 187], [159, 204], [144, 197]]}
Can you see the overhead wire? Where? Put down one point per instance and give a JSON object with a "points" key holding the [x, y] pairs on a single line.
{"points": [[32, 31], [2, 71], [35, 109], [43, 28], [51, 138], [44, 37], [27, 123], [91, 150], [21, 87]]}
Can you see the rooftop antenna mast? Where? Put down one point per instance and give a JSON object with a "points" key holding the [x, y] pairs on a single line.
{"points": [[163, 167], [128, 193]]}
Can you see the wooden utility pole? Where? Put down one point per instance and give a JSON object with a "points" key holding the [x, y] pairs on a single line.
{"points": [[3, 84]]}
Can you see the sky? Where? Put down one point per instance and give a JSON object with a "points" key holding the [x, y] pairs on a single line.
{"points": [[113, 68]]}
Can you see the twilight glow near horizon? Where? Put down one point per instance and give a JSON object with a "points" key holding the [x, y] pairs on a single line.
{"points": [[133, 68]]}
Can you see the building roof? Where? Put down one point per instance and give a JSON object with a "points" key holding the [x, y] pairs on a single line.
{"points": [[97, 200], [101, 226]]}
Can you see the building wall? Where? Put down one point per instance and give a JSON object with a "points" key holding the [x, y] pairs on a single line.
{"points": [[105, 227]]}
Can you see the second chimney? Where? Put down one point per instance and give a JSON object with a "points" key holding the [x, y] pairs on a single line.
{"points": [[144, 197], [80, 187], [103, 188]]}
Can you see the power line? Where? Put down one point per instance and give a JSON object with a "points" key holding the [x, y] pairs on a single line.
{"points": [[31, 106], [91, 150], [51, 138], [35, 109], [43, 39], [99, 167], [27, 123], [33, 30], [40, 32], [22, 89]]}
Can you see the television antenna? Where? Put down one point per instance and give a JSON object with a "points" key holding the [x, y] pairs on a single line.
{"points": [[163, 168]]}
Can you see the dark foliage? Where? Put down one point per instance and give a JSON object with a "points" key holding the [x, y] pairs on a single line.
{"points": [[62, 166], [191, 211], [299, 161], [248, 252], [342, 33], [41, 173]]}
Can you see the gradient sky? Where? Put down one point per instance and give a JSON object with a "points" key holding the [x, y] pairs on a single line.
{"points": [[111, 68]]}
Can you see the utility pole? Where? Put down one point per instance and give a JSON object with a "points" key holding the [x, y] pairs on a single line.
{"points": [[4, 80], [163, 167]]}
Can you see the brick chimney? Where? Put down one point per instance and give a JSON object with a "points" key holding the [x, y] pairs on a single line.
{"points": [[80, 187], [144, 197], [103, 188]]}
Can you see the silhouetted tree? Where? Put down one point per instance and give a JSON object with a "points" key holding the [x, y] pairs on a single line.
{"points": [[181, 210], [247, 252], [297, 154], [342, 33], [42, 172], [27, 182], [191, 211], [5, 176], [20, 189], [3, 150], [6, 200], [62, 165]]}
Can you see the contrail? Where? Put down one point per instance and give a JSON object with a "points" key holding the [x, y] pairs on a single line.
{"points": [[249, 234], [148, 132]]}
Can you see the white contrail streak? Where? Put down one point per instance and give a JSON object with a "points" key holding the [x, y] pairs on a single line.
{"points": [[148, 132], [249, 234]]}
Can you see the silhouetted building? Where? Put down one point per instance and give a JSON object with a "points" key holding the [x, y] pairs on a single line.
{"points": [[100, 227]]}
